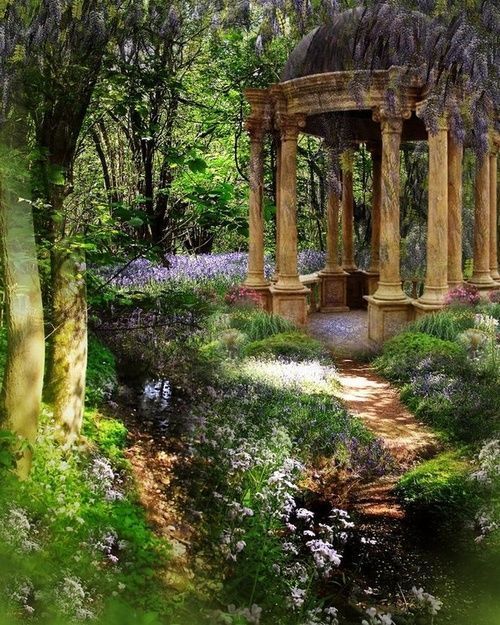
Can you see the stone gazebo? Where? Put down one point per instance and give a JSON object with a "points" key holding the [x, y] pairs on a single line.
{"points": [[316, 95]]}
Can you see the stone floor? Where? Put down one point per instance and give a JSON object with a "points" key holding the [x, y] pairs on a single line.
{"points": [[344, 333]]}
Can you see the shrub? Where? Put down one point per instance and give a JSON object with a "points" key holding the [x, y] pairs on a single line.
{"points": [[463, 295], [258, 324], [440, 488], [445, 325], [403, 353], [289, 345]]}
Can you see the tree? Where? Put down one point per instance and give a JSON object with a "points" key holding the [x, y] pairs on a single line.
{"points": [[23, 376], [65, 44]]}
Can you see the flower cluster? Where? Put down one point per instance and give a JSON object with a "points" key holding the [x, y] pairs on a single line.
{"points": [[495, 296], [74, 600], [104, 480], [463, 295], [486, 324], [17, 531], [426, 602], [375, 617], [244, 297]]}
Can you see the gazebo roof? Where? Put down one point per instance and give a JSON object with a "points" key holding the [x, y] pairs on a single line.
{"points": [[327, 48]]}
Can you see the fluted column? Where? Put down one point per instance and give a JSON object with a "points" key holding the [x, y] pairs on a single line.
{"points": [[288, 277], [493, 214], [481, 276], [436, 280], [255, 278], [376, 202], [348, 263], [389, 287], [455, 193]]}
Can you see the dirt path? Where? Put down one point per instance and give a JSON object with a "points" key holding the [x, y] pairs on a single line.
{"points": [[377, 403]]}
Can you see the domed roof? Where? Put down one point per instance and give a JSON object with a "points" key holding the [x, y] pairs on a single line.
{"points": [[328, 48], [357, 39]]}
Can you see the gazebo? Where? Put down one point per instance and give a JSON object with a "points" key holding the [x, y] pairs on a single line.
{"points": [[314, 95]]}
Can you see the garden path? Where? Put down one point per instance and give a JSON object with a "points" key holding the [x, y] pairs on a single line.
{"points": [[377, 403]]}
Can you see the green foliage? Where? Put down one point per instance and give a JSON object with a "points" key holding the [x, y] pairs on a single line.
{"points": [[441, 488], [405, 351], [445, 325], [101, 372], [74, 532], [258, 325], [289, 345]]}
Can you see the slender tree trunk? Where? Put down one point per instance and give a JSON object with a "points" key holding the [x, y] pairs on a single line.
{"points": [[23, 377]]}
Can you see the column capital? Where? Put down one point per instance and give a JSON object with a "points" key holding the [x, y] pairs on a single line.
{"points": [[495, 144], [257, 127], [391, 122], [289, 126]]}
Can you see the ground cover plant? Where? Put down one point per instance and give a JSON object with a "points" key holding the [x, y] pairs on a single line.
{"points": [[75, 545], [447, 365]]}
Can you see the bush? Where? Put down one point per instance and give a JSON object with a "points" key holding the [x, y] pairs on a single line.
{"points": [[403, 353], [288, 345], [445, 325], [440, 488], [258, 324]]}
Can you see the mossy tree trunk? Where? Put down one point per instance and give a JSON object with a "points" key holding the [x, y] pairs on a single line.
{"points": [[23, 376]]}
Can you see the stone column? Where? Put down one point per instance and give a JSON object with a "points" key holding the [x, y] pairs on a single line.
{"points": [[376, 154], [333, 277], [348, 263], [255, 277], [288, 294], [332, 234], [389, 309], [278, 187], [389, 287], [436, 280], [481, 276], [494, 214], [288, 277], [455, 192]]}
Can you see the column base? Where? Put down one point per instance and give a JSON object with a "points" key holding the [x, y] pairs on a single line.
{"points": [[333, 291], [495, 275], [386, 319], [291, 305], [482, 280], [433, 296], [390, 292], [423, 308], [264, 295]]}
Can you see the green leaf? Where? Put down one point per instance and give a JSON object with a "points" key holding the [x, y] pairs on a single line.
{"points": [[197, 165]]}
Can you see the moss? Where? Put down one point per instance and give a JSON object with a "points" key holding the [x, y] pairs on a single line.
{"points": [[440, 487]]}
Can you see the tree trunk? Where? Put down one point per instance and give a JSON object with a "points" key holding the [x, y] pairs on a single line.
{"points": [[68, 347], [23, 376]]}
